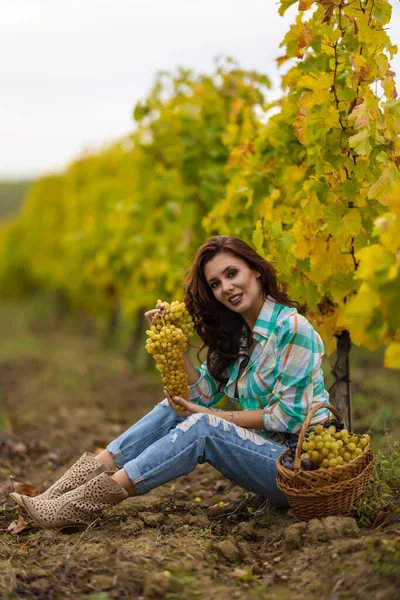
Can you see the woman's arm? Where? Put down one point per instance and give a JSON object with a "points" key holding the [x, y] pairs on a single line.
{"points": [[251, 419], [192, 373]]}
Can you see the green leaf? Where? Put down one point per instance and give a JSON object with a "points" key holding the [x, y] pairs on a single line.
{"points": [[285, 4], [360, 142], [393, 108], [333, 218]]}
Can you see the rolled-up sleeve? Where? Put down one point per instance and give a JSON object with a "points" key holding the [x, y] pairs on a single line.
{"points": [[205, 390], [299, 381]]}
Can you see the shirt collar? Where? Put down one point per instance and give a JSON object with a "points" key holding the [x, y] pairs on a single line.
{"points": [[266, 320]]}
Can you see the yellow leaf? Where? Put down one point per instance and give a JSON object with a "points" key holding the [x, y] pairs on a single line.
{"points": [[372, 259], [266, 206], [302, 249], [352, 221], [320, 268], [392, 356]]}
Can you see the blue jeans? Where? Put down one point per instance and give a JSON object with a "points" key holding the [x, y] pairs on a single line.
{"points": [[163, 446]]}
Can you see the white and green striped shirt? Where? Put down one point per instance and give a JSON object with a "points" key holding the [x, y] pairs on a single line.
{"points": [[283, 375]]}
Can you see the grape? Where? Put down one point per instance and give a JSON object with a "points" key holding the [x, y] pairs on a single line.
{"points": [[287, 463], [319, 428], [167, 343], [309, 465]]}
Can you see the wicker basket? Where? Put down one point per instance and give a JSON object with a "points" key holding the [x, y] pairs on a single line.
{"points": [[324, 492]]}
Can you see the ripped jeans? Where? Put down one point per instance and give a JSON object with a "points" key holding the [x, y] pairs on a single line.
{"points": [[163, 446]]}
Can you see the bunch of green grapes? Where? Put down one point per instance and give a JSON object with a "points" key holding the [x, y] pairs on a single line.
{"points": [[327, 445], [167, 343], [331, 445]]}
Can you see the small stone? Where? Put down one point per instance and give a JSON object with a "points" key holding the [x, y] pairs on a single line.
{"points": [[156, 584], [131, 527], [246, 530], [152, 519], [228, 550], [245, 552], [316, 530], [294, 536], [199, 521], [338, 527], [102, 582]]}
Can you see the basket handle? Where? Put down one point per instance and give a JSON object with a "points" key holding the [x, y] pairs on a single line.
{"points": [[304, 427]]}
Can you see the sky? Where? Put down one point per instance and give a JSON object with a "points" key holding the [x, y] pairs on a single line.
{"points": [[71, 71]]}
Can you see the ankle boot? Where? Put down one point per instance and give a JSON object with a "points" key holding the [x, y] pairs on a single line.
{"points": [[79, 506], [80, 472]]}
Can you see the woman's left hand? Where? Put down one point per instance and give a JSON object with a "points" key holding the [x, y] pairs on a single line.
{"points": [[190, 407]]}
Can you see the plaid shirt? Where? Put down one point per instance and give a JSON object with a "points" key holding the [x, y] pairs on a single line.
{"points": [[283, 375]]}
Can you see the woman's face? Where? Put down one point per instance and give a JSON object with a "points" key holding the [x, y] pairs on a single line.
{"points": [[233, 283]]}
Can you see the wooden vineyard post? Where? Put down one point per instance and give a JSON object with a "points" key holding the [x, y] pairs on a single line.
{"points": [[340, 390]]}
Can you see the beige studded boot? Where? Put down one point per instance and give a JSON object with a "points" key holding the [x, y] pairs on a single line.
{"points": [[79, 506], [80, 472]]}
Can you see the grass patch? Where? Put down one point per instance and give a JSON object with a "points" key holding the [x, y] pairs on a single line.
{"points": [[383, 495]]}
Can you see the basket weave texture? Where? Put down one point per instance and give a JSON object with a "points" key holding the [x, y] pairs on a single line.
{"points": [[323, 492]]}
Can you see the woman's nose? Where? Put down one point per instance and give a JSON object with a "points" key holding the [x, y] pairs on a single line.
{"points": [[227, 287]]}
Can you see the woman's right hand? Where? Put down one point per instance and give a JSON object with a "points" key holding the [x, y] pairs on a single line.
{"points": [[153, 315]]}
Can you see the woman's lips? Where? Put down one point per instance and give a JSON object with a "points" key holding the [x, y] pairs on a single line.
{"points": [[236, 299]]}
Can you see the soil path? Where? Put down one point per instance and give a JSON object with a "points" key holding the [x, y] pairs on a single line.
{"points": [[62, 394]]}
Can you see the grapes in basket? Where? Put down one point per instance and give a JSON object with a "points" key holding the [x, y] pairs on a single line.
{"points": [[326, 445]]}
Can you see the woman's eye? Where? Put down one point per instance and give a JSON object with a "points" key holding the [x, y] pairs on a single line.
{"points": [[233, 273], [213, 285]]}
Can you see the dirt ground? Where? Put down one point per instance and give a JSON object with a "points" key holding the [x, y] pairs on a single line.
{"points": [[62, 393]]}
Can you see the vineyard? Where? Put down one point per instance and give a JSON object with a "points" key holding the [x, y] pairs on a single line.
{"points": [[312, 182], [314, 187]]}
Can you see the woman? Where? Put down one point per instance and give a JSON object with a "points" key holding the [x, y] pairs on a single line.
{"points": [[261, 353]]}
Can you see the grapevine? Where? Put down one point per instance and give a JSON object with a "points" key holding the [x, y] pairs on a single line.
{"points": [[167, 343]]}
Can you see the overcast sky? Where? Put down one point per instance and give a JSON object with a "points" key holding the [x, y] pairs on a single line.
{"points": [[72, 70]]}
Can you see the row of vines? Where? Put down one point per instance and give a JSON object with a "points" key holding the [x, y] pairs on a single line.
{"points": [[311, 180]]}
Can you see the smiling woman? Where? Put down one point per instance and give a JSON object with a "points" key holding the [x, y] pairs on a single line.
{"points": [[261, 353]]}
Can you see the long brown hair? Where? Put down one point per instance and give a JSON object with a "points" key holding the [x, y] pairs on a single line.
{"points": [[220, 328]]}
